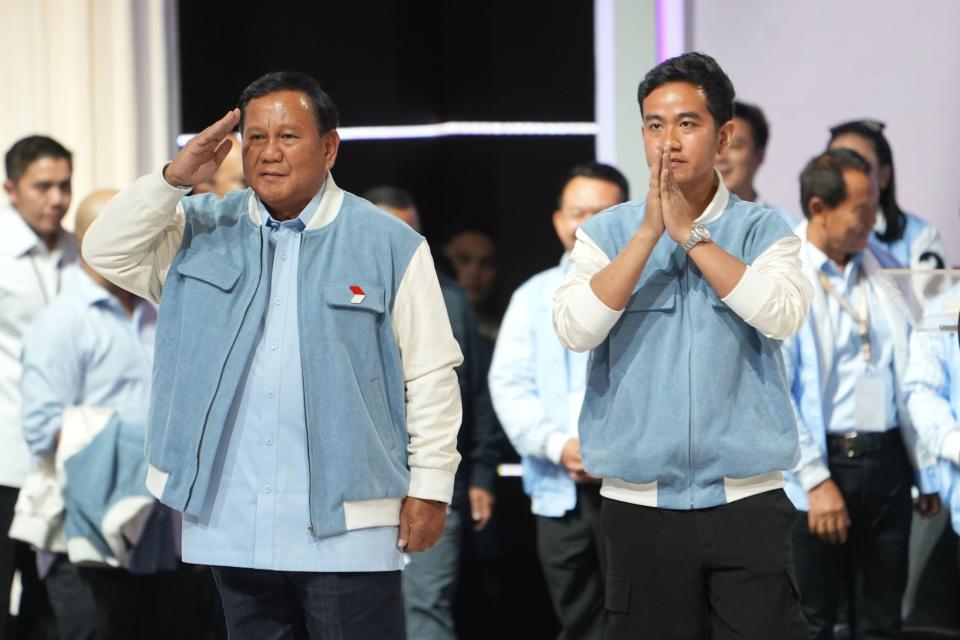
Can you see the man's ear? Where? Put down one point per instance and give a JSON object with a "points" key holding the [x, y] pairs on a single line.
{"points": [[816, 206], [724, 136], [331, 147], [11, 190]]}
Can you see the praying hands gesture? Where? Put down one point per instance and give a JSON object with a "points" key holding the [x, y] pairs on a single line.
{"points": [[667, 207]]}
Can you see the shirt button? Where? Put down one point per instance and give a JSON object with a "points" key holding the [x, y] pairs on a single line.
{"points": [[274, 345], [266, 488], [276, 301], [283, 256], [269, 441], [269, 394]]}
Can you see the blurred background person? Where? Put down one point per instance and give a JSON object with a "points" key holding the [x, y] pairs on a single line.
{"points": [[430, 579], [92, 347], [37, 260], [473, 256], [914, 242], [537, 388], [739, 163], [858, 453]]}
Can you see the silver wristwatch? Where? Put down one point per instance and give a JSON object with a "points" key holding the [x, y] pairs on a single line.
{"points": [[699, 234]]}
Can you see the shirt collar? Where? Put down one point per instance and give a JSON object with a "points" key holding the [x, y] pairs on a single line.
{"points": [[820, 262], [717, 205], [299, 223]]}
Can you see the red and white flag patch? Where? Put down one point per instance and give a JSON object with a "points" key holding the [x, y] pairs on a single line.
{"points": [[358, 294]]}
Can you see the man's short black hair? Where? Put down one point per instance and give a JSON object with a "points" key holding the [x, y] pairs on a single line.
{"points": [[389, 196], [324, 111], [700, 70], [597, 171], [25, 152], [823, 177], [754, 117]]}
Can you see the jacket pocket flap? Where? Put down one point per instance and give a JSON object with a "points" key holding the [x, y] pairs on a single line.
{"points": [[656, 295], [209, 268], [356, 296]]}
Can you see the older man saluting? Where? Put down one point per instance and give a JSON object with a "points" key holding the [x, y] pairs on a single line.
{"points": [[305, 407]]}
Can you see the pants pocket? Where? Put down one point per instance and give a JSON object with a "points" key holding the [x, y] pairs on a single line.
{"points": [[617, 598]]}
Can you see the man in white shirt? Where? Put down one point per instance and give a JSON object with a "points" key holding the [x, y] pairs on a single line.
{"points": [[36, 257]]}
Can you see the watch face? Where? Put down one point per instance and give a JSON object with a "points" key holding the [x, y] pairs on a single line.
{"points": [[703, 232]]}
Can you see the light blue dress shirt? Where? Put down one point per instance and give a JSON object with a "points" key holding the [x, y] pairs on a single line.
{"points": [[257, 513], [840, 404], [84, 349]]}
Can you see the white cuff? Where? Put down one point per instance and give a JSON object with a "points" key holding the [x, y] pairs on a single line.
{"points": [[950, 449], [750, 295], [590, 313], [556, 441], [813, 474], [431, 484], [183, 190]]}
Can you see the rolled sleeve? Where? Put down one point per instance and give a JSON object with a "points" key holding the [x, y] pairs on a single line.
{"points": [[773, 295], [582, 321]]}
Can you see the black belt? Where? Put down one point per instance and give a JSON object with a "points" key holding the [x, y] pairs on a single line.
{"points": [[858, 443]]}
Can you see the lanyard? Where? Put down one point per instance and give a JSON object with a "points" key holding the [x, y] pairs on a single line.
{"points": [[862, 318], [43, 288]]}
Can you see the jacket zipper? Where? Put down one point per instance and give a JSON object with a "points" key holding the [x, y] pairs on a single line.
{"points": [[306, 402], [216, 390]]}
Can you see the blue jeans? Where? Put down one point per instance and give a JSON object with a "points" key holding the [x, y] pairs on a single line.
{"points": [[430, 584], [280, 605]]}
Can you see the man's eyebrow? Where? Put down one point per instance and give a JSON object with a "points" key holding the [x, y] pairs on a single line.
{"points": [[693, 115], [652, 116]]}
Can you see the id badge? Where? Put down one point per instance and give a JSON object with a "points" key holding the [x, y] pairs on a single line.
{"points": [[872, 402]]}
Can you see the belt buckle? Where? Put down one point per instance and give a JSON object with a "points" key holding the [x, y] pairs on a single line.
{"points": [[849, 445]]}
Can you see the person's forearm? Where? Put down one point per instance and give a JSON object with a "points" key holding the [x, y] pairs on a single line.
{"points": [[614, 284], [137, 235], [721, 269]]}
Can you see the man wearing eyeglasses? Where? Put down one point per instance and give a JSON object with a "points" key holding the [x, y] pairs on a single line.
{"points": [[537, 388]]}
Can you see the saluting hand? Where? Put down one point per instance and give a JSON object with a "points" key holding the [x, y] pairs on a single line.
{"points": [[677, 214], [199, 160]]}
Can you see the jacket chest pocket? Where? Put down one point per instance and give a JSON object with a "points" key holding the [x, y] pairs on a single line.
{"points": [[209, 285], [210, 269], [356, 313]]}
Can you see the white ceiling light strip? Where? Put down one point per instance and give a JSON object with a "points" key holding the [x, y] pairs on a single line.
{"points": [[445, 129]]}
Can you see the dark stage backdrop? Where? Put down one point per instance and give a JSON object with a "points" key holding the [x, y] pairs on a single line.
{"points": [[403, 63], [396, 63]]}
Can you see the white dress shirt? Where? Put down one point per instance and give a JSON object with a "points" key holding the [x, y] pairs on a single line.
{"points": [[30, 277]]}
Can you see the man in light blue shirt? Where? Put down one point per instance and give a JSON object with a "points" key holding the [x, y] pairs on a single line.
{"points": [[93, 347], [845, 367], [537, 388], [305, 406], [932, 388]]}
